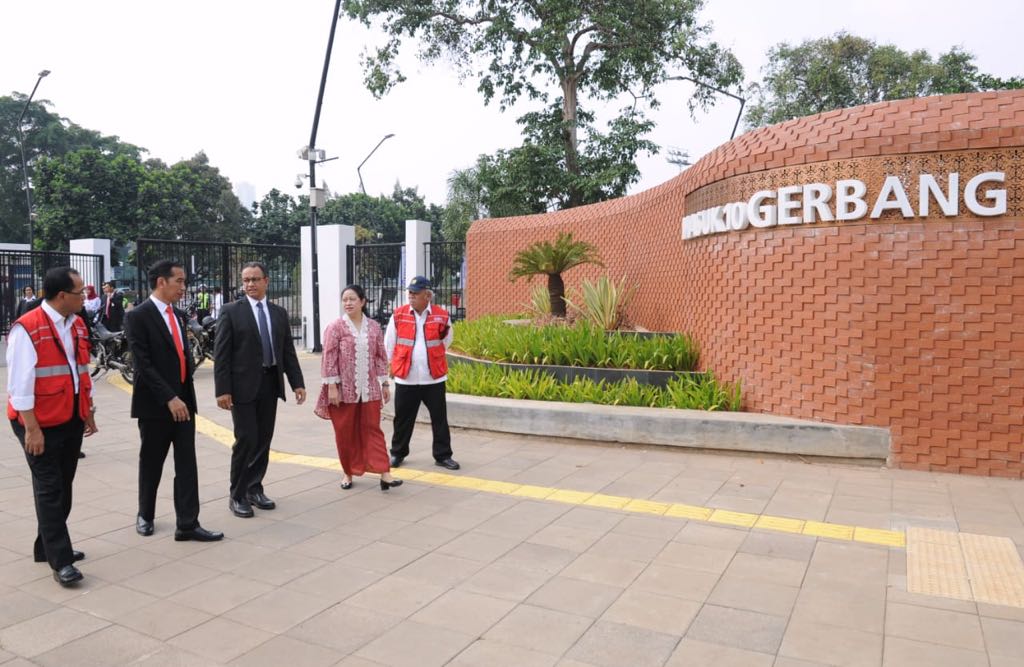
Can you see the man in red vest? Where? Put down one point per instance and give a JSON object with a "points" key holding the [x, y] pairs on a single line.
{"points": [[417, 337], [50, 407]]}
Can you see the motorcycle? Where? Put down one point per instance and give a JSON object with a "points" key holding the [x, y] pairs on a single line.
{"points": [[200, 336], [111, 352]]}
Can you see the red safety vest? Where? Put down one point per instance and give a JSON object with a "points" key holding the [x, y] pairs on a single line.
{"points": [[405, 330], [55, 388]]}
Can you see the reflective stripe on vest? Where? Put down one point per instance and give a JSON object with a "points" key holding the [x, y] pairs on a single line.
{"points": [[405, 341], [51, 371]]}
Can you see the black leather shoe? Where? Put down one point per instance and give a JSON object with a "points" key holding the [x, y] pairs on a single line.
{"points": [[77, 555], [143, 527], [448, 463], [346, 485], [67, 575], [240, 508], [81, 454], [260, 500], [197, 534], [384, 486], [396, 461]]}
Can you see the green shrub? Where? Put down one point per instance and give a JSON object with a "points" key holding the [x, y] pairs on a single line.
{"points": [[685, 392], [540, 301], [583, 345], [603, 303]]}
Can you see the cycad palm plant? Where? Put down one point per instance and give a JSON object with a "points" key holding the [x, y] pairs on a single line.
{"points": [[552, 259]]}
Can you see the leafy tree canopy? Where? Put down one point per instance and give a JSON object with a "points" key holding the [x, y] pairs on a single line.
{"points": [[845, 70], [46, 135], [558, 50]]}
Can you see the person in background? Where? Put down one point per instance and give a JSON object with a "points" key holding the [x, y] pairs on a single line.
{"points": [[50, 407], [203, 303], [354, 375], [27, 302], [418, 335], [218, 302], [92, 302], [111, 308]]}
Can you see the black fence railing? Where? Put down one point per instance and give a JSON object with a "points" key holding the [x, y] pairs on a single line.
{"points": [[377, 267], [23, 268], [215, 266], [446, 265]]}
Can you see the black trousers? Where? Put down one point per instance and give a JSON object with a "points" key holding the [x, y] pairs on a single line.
{"points": [[408, 398], [157, 437], [53, 472], [254, 429]]}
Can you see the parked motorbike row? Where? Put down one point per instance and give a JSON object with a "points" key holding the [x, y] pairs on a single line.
{"points": [[111, 352]]}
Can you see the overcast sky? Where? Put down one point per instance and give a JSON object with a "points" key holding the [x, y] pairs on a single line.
{"points": [[238, 80]]}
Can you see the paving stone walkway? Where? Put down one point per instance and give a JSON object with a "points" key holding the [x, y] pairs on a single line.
{"points": [[435, 574]]}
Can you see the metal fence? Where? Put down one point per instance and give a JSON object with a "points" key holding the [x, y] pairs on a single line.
{"points": [[219, 265], [447, 267], [22, 268], [378, 268]]}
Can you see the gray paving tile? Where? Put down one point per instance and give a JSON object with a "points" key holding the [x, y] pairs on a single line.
{"points": [[277, 610], [163, 619], [496, 654], [505, 582], [936, 626], [396, 596], [900, 652], [691, 652], [539, 629], [43, 633], [221, 593], [676, 581], [464, 612], [740, 628], [608, 570], [361, 626], [1002, 638], [112, 645], [766, 597], [829, 645], [608, 644], [283, 650], [211, 639], [584, 598], [411, 644], [660, 613]]}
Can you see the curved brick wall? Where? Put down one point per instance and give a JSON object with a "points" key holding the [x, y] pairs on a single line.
{"points": [[915, 325]]}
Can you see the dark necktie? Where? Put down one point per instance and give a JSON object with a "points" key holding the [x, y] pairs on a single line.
{"points": [[268, 350]]}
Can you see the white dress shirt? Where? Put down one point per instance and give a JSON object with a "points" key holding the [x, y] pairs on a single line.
{"points": [[256, 316], [218, 303], [22, 357], [419, 370], [163, 316]]}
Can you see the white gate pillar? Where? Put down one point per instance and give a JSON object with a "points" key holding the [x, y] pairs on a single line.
{"points": [[331, 244]]}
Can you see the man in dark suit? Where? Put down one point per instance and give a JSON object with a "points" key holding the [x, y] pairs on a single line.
{"points": [[164, 401], [252, 354], [111, 308]]}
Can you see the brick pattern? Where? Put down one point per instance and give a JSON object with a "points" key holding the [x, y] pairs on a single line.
{"points": [[916, 326]]}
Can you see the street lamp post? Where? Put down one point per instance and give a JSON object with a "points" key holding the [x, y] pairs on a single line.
{"points": [[313, 190], [717, 90], [359, 168], [24, 163]]}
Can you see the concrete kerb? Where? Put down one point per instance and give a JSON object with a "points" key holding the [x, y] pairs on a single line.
{"points": [[697, 429]]}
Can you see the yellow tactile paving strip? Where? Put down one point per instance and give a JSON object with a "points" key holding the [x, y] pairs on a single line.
{"points": [[939, 563], [964, 566]]}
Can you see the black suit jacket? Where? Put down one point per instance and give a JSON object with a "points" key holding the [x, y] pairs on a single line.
{"points": [[157, 369], [116, 319], [238, 352]]}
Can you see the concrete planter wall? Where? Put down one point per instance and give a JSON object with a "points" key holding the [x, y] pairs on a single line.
{"points": [[568, 373]]}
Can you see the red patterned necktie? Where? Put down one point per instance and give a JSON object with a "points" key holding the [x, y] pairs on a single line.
{"points": [[176, 335]]}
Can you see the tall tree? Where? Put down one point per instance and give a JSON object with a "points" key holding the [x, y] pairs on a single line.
{"points": [[46, 135], [277, 219], [600, 49], [845, 70]]}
